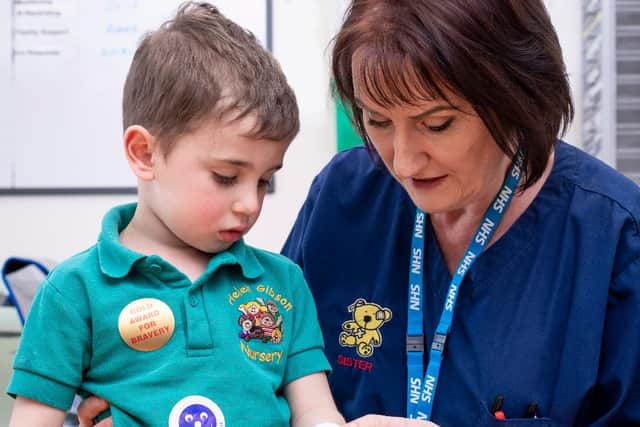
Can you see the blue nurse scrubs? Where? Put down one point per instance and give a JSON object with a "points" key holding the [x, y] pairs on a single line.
{"points": [[550, 313]]}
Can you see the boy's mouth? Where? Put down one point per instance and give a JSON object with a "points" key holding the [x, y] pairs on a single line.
{"points": [[232, 234]]}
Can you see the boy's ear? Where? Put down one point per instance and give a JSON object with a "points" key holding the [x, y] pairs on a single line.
{"points": [[140, 147]]}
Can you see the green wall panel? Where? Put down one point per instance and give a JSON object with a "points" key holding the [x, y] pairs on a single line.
{"points": [[347, 136]]}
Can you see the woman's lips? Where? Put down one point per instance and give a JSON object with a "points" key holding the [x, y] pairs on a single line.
{"points": [[428, 183]]}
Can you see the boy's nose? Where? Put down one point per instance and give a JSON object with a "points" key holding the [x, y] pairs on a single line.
{"points": [[247, 204]]}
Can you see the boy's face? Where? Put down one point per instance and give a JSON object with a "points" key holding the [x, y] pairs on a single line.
{"points": [[208, 191]]}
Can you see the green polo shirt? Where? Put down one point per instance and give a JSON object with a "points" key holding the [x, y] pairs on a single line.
{"points": [[163, 350]]}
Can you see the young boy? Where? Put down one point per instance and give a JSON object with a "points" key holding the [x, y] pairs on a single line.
{"points": [[170, 316]]}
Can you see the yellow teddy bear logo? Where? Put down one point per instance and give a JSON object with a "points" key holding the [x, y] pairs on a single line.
{"points": [[363, 331]]}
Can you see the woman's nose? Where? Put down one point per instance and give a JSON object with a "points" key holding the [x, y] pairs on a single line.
{"points": [[405, 155]]}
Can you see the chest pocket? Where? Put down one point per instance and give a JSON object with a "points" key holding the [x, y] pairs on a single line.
{"points": [[486, 419]]}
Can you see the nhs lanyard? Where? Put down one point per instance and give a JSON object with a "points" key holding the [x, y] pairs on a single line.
{"points": [[421, 391]]}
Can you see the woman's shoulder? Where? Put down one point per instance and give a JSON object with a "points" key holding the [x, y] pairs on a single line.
{"points": [[601, 202], [589, 178], [355, 162], [354, 176]]}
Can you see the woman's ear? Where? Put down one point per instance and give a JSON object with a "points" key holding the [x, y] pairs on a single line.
{"points": [[140, 147]]}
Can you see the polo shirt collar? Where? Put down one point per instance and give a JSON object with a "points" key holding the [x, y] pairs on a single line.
{"points": [[241, 254], [117, 260]]}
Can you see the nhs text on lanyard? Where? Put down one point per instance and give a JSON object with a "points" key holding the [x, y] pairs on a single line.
{"points": [[421, 391]]}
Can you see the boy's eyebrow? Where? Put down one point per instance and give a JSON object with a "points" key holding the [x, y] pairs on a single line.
{"points": [[245, 164], [275, 168], [418, 116], [235, 162]]}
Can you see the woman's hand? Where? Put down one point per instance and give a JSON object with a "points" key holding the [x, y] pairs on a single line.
{"points": [[90, 408], [383, 421]]}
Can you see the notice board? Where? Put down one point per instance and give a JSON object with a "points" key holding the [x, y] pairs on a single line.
{"points": [[62, 71]]}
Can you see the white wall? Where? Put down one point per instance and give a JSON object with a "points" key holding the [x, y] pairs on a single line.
{"points": [[58, 226], [302, 52], [566, 16]]}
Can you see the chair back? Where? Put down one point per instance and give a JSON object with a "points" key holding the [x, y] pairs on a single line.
{"points": [[22, 276]]}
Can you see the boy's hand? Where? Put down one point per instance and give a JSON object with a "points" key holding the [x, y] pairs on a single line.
{"points": [[90, 408], [383, 421]]}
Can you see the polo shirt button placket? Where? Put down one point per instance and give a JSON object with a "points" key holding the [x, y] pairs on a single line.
{"points": [[199, 340]]}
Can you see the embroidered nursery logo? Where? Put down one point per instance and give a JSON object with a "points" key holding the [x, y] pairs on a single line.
{"points": [[146, 324], [196, 411], [260, 319], [363, 330]]}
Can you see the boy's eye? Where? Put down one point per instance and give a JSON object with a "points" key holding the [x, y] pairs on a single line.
{"points": [[224, 179], [264, 183], [440, 127]]}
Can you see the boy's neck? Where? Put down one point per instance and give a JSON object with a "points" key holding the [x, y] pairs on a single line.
{"points": [[141, 235]]}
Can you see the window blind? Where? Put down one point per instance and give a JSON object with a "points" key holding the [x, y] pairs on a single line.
{"points": [[628, 88]]}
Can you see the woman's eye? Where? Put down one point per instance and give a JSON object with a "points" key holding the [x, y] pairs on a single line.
{"points": [[377, 123], [440, 127], [224, 179]]}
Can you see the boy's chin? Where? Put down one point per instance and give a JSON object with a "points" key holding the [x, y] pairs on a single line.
{"points": [[220, 246]]}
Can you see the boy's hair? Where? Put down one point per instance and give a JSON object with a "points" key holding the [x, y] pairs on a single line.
{"points": [[201, 65]]}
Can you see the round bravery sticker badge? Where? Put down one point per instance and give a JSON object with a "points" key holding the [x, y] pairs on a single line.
{"points": [[146, 324], [196, 411]]}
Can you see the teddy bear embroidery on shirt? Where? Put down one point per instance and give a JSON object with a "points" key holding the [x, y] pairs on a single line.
{"points": [[363, 330]]}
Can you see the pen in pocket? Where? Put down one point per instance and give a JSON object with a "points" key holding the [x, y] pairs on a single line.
{"points": [[532, 410], [496, 408]]}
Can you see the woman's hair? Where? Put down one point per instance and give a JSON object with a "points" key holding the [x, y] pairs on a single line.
{"points": [[200, 65], [501, 56]]}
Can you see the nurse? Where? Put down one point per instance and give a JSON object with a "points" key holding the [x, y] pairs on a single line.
{"points": [[466, 264]]}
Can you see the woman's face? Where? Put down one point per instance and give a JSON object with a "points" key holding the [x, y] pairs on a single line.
{"points": [[441, 153]]}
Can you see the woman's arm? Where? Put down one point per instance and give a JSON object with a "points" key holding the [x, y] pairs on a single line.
{"points": [[616, 397], [27, 412], [383, 421]]}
